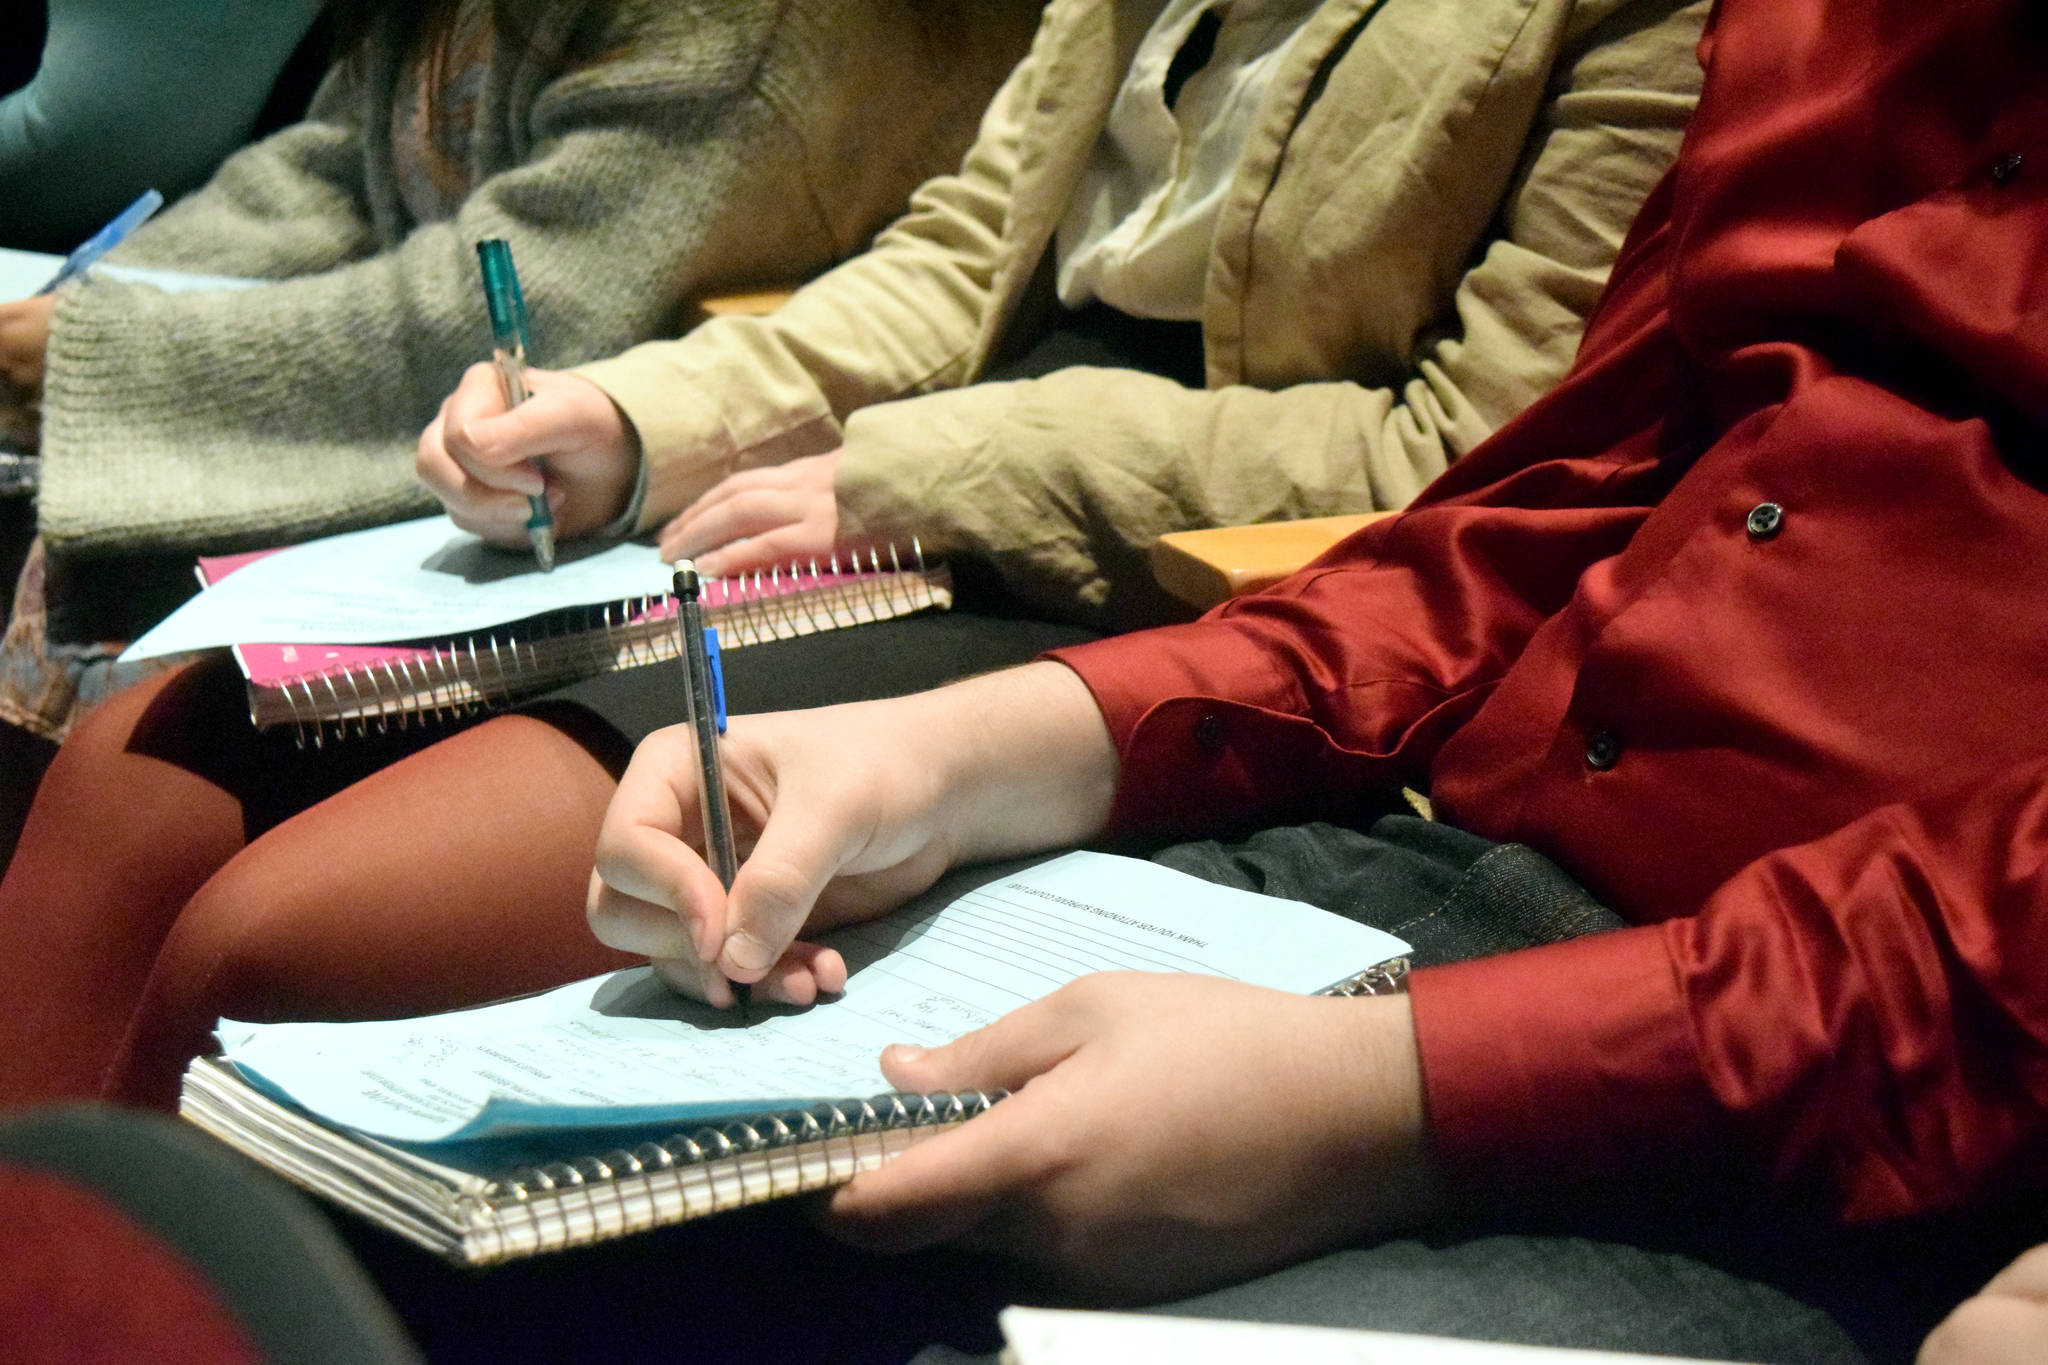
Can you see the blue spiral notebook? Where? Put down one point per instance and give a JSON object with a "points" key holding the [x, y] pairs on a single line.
{"points": [[612, 1105]]}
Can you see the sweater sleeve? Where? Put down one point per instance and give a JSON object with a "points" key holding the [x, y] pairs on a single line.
{"points": [[115, 108], [1860, 1011], [1063, 483], [292, 409], [292, 204]]}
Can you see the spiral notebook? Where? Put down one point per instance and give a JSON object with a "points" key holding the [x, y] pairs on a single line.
{"points": [[328, 688], [611, 1106]]}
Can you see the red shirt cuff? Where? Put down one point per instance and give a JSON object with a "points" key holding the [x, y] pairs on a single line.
{"points": [[1207, 735], [1575, 1060]]}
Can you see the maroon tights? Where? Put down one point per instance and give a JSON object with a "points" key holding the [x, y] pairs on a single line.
{"points": [[177, 866]]}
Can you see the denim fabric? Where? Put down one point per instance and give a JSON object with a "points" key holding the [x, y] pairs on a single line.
{"points": [[1449, 894]]}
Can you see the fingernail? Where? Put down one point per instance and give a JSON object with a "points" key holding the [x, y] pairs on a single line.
{"points": [[906, 1052], [746, 952]]}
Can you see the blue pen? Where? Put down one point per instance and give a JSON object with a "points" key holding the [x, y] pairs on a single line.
{"points": [[106, 239], [508, 336]]}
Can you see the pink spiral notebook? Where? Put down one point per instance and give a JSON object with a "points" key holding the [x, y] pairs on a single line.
{"points": [[331, 691]]}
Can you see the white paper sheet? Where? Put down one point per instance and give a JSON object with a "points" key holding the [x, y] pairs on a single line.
{"points": [[22, 273], [416, 579], [925, 975], [1056, 1336]]}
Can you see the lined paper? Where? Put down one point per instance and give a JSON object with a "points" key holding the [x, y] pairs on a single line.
{"points": [[622, 1049]]}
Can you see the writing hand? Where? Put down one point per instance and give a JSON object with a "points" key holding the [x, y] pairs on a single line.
{"points": [[840, 814], [2005, 1323], [1169, 1132], [479, 458], [24, 349], [760, 518]]}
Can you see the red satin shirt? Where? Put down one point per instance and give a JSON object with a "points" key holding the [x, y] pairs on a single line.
{"points": [[1744, 626]]}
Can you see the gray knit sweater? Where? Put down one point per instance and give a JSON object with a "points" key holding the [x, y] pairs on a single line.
{"points": [[686, 147]]}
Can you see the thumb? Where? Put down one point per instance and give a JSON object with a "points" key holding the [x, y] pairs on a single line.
{"points": [[1024, 1043]]}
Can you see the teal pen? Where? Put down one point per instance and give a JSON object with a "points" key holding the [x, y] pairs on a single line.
{"points": [[508, 336], [106, 239]]}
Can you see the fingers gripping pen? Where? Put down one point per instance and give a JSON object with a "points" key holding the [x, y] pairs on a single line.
{"points": [[508, 336]]}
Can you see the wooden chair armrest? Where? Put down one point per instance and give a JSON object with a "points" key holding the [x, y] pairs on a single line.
{"points": [[1203, 568], [754, 305]]}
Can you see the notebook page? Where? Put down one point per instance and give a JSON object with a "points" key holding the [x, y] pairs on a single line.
{"points": [[623, 1050], [412, 580], [22, 273], [1055, 1336]]}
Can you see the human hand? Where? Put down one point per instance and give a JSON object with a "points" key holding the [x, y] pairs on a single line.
{"points": [[24, 348], [760, 518], [1168, 1132], [2005, 1323], [840, 814], [479, 459]]}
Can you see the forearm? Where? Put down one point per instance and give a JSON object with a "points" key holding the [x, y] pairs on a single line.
{"points": [[1063, 484], [902, 317]]}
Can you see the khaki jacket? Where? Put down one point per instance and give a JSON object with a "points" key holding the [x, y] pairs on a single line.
{"points": [[1422, 218]]}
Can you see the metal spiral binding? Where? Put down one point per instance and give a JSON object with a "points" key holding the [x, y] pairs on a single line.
{"points": [[1384, 978], [706, 1146], [483, 672]]}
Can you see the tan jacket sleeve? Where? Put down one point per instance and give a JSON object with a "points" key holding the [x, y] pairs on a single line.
{"points": [[904, 317], [1063, 483]]}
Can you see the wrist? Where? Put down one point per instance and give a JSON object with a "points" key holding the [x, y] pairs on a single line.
{"points": [[1023, 762], [1374, 1084]]}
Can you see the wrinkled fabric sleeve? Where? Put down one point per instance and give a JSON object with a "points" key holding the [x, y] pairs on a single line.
{"points": [[1858, 1015], [903, 317], [1863, 1012], [1063, 483]]}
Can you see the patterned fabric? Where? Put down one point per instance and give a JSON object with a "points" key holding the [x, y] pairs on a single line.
{"points": [[45, 686]]}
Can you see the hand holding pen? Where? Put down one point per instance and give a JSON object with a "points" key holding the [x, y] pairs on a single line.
{"points": [[672, 903], [509, 337]]}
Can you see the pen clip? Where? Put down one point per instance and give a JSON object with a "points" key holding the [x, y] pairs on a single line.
{"points": [[716, 662]]}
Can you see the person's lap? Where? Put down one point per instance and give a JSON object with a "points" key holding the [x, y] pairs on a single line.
{"points": [[235, 873], [764, 1283]]}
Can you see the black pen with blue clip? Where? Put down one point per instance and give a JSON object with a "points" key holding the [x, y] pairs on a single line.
{"points": [[507, 307], [704, 700]]}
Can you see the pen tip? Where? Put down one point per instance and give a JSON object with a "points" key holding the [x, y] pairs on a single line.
{"points": [[544, 548]]}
